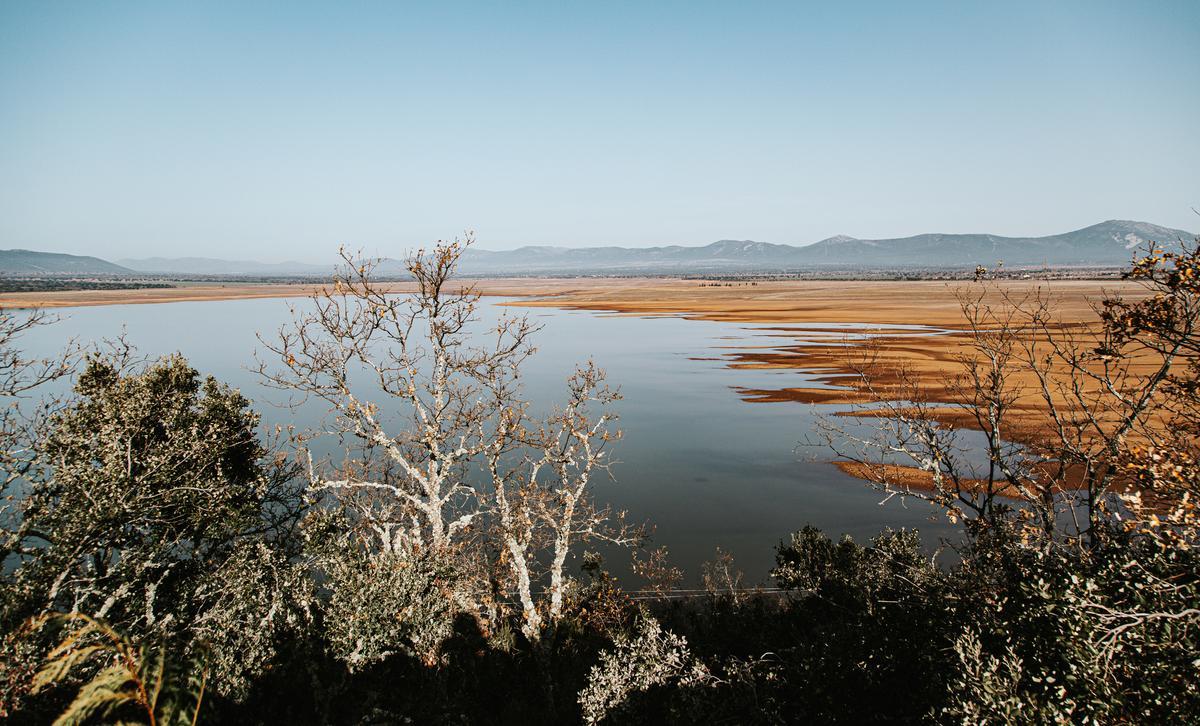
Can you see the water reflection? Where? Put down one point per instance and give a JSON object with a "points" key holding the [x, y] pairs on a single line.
{"points": [[706, 468]]}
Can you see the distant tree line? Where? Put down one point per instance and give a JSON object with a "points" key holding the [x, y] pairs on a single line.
{"points": [[56, 284], [167, 561]]}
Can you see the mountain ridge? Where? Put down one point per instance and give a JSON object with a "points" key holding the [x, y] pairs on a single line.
{"points": [[1110, 243], [32, 262]]}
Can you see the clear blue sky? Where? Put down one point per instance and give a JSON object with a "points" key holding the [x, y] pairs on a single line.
{"points": [[276, 131]]}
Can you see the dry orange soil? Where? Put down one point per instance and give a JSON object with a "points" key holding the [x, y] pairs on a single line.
{"points": [[931, 355], [932, 358]]}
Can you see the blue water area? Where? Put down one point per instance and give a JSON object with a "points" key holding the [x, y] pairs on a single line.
{"points": [[702, 466]]}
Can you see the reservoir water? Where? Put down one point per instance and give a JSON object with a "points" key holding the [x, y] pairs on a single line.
{"points": [[702, 466]]}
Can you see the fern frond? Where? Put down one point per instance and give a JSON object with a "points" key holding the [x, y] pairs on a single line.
{"points": [[110, 689], [168, 692], [57, 667]]}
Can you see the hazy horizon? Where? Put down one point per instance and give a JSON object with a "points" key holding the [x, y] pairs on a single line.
{"points": [[277, 132], [332, 254]]}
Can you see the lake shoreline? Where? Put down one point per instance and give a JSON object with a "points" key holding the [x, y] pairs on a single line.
{"points": [[929, 353]]}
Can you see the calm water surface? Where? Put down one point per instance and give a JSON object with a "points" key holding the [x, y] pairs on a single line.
{"points": [[706, 468]]}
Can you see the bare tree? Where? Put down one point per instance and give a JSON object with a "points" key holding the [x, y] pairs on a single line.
{"points": [[572, 448], [1165, 466], [923, 443], [541, 497], [450, 459], [20, 374], [1060, 406], [416, 351], [21, 418], [1111, 388]]}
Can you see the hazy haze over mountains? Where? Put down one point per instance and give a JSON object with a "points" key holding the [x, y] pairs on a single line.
{"points": [[1110, 243], [210, 266]]}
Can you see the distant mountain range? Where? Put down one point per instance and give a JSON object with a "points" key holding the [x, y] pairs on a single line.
{"points": [[1107, 243], [29, 262], [1110, 243]]}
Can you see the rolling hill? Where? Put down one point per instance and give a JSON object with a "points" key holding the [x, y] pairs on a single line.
{"points": [[29, 262]]}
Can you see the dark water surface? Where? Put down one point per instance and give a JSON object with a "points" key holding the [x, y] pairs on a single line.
{"points": [[706, 468]]}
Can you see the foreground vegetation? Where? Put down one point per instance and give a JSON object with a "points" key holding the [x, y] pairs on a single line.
{"points": [[166, 563]]}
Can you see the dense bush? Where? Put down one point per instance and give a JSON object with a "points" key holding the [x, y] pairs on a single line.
{"points": [[153, 502], [311, 628]]}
